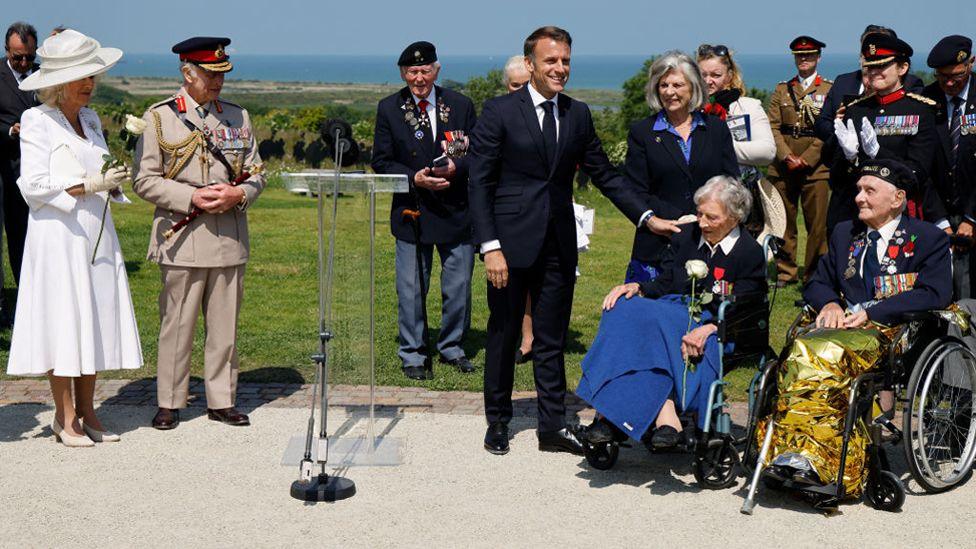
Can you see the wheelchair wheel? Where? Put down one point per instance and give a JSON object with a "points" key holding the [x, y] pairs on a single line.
{"points": [[715, 466], [885, 491], [940, 436], [601, 456]]}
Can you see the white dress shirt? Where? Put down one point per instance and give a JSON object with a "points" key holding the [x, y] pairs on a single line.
{"points": [[726, 244], [431, 109], [881, 247], [538, 100], [808, 81], [964, 95]]}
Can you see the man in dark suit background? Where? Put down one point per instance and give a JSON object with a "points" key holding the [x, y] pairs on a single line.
{"points": [[954, 92], [21, 47], [524, 153], [413, 127]]}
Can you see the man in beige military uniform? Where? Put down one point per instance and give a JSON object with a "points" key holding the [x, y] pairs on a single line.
{"points": [[798, 172], [195, 149]]}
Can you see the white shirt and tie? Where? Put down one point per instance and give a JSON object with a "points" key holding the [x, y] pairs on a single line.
{"points": [[887, 232], [431, 109], [539, 100], [963, 95], [726, 244], [808, 81]]}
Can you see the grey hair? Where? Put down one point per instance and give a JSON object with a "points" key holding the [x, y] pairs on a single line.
{"points": [[192, 66], [514, 62], [674, 60], [727, 190]]}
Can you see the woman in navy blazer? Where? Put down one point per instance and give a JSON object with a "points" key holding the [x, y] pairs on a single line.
{"points": [[672, 153]]}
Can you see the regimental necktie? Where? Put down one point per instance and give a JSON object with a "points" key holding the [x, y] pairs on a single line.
{"points": [[424, 118], [549, 132], [955, 127], [872, 267]]}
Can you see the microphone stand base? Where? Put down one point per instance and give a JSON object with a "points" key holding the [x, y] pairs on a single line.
{"points": [[323, 488]]}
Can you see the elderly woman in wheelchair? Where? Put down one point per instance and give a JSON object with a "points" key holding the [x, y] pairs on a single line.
{"points": [[635, 373], [820, 409]]}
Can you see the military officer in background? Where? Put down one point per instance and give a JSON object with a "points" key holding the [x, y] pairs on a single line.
{"points": [[798, 172], [195, 154], [954, 174], [415, 127], [886, 122]]}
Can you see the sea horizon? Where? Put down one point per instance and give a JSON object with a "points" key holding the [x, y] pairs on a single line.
{"points": [[761, 71]]}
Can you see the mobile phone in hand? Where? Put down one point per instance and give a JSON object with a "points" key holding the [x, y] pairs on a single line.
{"points": [[440, 162]]}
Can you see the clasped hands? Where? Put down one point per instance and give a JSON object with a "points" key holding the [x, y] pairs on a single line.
{"points": [[217, 198], [833, 316], [847, 138]]}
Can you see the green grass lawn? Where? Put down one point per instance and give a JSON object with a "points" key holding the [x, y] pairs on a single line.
{"points": [[278, 324]]}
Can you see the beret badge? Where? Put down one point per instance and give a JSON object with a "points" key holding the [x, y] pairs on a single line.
{"points": [[961, 56]]}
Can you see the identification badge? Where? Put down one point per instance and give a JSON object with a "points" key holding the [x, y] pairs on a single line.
{"points": [[739, 127], [890, 285], [906, 124]]}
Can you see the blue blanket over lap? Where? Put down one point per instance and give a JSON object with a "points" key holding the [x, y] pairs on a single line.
{"points": [[635, 364]]}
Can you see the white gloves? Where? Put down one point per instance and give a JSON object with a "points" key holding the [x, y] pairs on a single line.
{"points": [[869, 138], [847, 138], [107, 181]]}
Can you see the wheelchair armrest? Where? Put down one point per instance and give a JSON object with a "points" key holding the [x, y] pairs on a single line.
{"points": [[916, 316]]}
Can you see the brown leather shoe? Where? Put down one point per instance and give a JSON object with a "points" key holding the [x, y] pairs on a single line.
{"points": [[230, 416], [166, 419]]}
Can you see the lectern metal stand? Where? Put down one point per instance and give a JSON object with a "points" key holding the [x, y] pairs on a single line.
{"points": [[323, 487]]}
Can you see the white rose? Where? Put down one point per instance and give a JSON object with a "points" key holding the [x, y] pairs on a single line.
{"points": [[696, 269], [134, 125]]}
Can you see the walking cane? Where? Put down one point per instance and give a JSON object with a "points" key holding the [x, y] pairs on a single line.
{"points": [[750, 501]]}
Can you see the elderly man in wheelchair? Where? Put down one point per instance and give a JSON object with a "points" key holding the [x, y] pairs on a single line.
{"points": [[881, 299], [653, 370]]}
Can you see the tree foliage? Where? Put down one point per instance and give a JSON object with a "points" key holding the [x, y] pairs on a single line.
{"points": [[482, 88]]}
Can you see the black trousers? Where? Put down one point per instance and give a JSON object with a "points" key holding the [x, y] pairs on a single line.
{"points": [[550, 282], [15, 213]]}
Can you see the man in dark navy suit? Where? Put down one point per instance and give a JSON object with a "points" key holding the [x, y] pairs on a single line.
{"points": [[414, 128], [524, 154], [954, 93], [885, 263], [21, 48]]}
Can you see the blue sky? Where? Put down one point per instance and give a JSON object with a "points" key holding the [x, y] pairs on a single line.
{"points": [[472, 27]]}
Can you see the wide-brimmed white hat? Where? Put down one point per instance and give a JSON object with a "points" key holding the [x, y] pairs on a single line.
{"points": [[69, 56]]}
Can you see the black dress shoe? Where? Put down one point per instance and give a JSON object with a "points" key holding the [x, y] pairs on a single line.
{"points": [[229, 416], [419, 373], [562, 440], [496, 439], [665, 437], [166, 419], [461, 363], [522, 358]]}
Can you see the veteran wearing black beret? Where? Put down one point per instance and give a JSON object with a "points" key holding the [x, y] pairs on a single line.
{"points": [[414, 128], [882, 264], [954, 172]]}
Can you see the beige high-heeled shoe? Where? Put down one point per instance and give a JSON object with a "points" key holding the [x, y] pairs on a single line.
{"points": [[100, 436], [69, 440]]}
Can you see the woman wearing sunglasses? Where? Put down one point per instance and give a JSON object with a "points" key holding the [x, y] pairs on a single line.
{"points": [[752, 135]]}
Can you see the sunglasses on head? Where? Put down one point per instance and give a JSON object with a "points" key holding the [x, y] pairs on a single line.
{"points": [[708, 49], [23, 57]]}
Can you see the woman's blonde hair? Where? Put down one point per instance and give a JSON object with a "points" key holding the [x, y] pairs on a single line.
{"points": [[705, 53], [53, 96]]}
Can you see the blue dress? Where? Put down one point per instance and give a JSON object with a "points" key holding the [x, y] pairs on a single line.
{"points": [[635, 364]]}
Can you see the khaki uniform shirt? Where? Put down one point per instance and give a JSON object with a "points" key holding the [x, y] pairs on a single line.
{"points": [[792, 124], [170, 166]]}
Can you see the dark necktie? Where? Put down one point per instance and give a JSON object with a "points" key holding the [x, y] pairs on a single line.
{"points": [[549, 132], [955, 127], [872, 267]]}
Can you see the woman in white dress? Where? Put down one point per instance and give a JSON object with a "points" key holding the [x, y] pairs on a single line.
{"points": [[74, 314]]}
